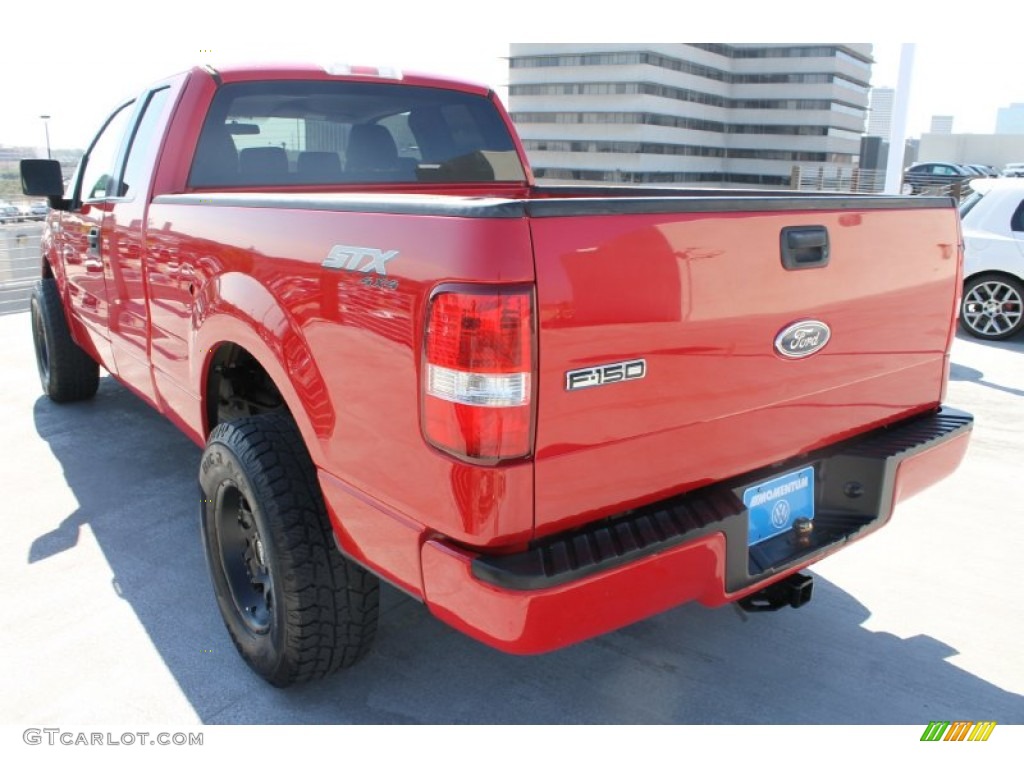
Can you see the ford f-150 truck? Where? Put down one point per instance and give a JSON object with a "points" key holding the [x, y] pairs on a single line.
{"points": [[545, 412]]}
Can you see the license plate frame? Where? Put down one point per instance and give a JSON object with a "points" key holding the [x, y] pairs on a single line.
{"points": [[774, 504]]}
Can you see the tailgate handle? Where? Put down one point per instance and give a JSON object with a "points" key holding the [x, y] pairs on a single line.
{"points": [[804, 247]]}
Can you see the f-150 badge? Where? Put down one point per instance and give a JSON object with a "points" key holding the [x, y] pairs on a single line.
{"points": [[354, 258], [612, 373], [802, 339]]}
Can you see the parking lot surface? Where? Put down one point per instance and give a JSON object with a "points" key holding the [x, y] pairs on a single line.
{"points": [[19, 264], [111, 619]]}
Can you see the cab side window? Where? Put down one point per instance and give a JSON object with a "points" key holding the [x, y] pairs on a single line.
{"points": [[99, 172], [143, 150]]}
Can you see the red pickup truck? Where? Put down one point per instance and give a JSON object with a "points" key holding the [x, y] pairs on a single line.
{"points": [[546, 412]]}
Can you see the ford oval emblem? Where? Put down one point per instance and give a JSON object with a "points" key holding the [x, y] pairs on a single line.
{"points": [[802, 339]]}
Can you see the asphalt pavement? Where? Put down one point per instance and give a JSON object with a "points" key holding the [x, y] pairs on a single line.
{"points": [[19, 264], [110, 617]]}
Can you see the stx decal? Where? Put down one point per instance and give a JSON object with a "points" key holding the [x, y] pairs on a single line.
{"points": [[354, 258]]}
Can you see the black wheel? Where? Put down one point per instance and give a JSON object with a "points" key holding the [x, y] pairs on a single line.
{"points": [[295, 608], [992, 307], [66, 371]]}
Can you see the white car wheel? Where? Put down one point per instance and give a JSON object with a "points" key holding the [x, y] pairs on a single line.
{"points": [[992, 307]]}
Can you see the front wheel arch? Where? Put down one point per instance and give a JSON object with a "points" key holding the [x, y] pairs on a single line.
{"points": [[66, 372]]}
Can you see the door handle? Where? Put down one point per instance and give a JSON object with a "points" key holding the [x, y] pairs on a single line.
{"points": [[93, 238], [804, 247], [187, 277]]}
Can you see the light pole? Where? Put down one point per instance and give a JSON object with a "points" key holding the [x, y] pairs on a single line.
{"points": [[898, 129], [46, 127]]}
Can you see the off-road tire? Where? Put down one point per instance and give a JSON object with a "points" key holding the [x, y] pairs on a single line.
{"points": [[66, 371], [296, 609]]}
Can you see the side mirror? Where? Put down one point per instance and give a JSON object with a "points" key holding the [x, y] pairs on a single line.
{"points": [[43, 178]]}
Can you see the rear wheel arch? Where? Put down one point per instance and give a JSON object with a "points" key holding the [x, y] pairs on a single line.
{"points": [[992, 273], [299, 609], [236, 385], [236, 318]]}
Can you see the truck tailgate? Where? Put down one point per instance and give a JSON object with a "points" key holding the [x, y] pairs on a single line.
{"points": [[700, 296]]}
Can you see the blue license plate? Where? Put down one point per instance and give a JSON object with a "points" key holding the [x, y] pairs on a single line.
{"points": [[774, 504]]}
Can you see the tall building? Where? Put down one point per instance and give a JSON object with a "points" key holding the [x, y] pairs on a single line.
{"points": [[1010, 120], [880, 112], [688, 113], [942, 124]]}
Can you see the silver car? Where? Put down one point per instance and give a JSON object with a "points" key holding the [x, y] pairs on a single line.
{"points": [[9, 214]]}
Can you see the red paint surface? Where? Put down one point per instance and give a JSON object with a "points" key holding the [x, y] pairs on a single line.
{"points": [[699, 296]]}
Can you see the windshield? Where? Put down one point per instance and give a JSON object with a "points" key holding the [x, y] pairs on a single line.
{"points": [[298, 133], [969, 202]]}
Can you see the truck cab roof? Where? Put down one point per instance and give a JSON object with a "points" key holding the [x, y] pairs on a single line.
{"points": [[337, 71]]}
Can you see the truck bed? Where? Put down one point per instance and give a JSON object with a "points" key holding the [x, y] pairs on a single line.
{"points": [[690, 281]]}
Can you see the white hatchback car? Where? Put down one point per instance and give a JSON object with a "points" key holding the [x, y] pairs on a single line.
{"points": [[993, 228]]}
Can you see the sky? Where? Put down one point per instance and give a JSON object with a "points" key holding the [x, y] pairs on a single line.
{"points": [[76, 62]]}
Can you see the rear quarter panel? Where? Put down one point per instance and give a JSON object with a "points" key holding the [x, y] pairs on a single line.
{"points": [[347, 354]]}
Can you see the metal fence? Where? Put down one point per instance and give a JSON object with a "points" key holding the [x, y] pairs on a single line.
{"points": [[19, 264], [819, 178], [958, 189]]}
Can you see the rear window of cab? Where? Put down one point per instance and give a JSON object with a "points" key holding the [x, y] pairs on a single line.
{"points": [[301, 133]]}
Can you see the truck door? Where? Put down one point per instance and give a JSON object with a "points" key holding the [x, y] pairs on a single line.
{"points": [[123, 234], [85, 254], [104, 239]]}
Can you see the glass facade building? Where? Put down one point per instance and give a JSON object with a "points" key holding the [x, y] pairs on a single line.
{"points": [[682, 113]]}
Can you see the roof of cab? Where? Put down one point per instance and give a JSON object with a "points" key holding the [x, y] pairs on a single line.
{"points": [[342, 71]]}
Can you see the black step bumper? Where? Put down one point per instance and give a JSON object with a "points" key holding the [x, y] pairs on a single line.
{"points": [[857, 483]]}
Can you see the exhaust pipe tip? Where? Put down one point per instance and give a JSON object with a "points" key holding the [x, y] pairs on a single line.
{"points": [[794, 590]]}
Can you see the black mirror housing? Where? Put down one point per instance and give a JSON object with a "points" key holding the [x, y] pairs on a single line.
{"points": [[42, 178]]}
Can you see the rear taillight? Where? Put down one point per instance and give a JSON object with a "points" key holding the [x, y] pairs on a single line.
{"points": [[477, 382]]}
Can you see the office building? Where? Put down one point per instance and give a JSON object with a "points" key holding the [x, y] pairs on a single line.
{"points": [[1010, 120], [996, 150], [880, 112], [942, 124], [688, 113]]}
